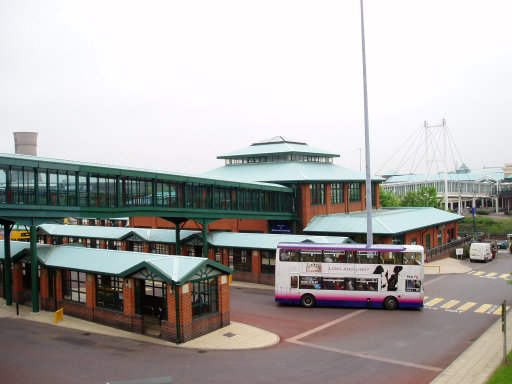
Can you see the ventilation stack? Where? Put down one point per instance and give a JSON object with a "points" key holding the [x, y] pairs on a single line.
{"points": [[25, 143]]}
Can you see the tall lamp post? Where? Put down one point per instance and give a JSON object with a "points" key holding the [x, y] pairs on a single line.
{"points": [[369, 227]]}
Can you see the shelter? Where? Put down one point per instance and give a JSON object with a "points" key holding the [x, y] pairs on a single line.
{"points": [[177, 298]]}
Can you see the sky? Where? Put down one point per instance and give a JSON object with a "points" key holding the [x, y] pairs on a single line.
{"points": [[171, 85]]}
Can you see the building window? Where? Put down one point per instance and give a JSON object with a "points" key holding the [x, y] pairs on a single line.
{"points": [[337, 193], [268, 262], [317, 194], [109, 292], [73, 286], [242, 260], [115, 245], [137, 247], [218, 256], [354, 192], [204, 297], [161, 249]]}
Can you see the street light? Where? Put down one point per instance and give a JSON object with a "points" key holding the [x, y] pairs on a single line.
{"points": [[369, 228]]}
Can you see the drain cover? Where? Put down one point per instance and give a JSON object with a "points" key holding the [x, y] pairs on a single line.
{"points": [[230, 334]]}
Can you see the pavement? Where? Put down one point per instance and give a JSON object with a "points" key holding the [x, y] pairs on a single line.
{"points": [[475, 365]]}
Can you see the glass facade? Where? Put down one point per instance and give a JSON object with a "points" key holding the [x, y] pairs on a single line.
{"points": [[57, 187]]}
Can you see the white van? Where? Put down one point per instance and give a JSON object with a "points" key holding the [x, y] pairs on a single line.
{"points": [[480, 252]]}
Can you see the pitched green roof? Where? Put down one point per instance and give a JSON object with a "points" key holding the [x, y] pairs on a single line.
{"points": [[265, 240], [114, 233], [286, 172], [170, 268], [277, 145], [385, 221]]}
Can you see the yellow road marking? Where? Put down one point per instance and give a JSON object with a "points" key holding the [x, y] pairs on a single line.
{"points": [[479, 273], [483, 308], [450, 304], [433, 302], [505, 276], [492, 274], [466, 306], [498, 311]]}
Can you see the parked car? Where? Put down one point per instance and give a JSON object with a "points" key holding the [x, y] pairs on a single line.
{"points": [[503, 244]]}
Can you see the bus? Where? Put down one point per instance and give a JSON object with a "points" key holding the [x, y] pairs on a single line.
{"points": [[352, 275]]}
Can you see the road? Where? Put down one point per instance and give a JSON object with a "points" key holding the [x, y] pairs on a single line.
{"points": [[321, 345]]}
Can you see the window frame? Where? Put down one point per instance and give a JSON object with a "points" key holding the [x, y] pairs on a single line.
{"points": [[205, 297]]}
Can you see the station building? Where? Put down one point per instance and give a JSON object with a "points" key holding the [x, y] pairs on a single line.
{"points": [[320, 186], [323, 193]]}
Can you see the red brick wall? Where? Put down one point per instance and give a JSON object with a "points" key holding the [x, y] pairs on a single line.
{"points": [[18, 295], [129, 297]]}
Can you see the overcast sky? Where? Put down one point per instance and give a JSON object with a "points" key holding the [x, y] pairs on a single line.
{"points": [[170, 85]]}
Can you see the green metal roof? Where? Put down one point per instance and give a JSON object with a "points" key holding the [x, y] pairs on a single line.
{"points": [[486, 174], [170, 268], [385, 221], [265, 240], [113, 170], [277, 145], [217, 239], [114, 233], [286, 172]]}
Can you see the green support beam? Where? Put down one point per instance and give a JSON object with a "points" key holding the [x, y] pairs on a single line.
{"points": [[7, 263], [34, 268]]}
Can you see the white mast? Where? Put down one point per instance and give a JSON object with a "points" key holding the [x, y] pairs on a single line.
{"points": [[445, 139]]}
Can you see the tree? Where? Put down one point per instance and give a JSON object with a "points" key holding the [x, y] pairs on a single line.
{"points": [[388, 199], [423, 197]]}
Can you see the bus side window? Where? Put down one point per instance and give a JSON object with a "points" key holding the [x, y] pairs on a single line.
{"points": [[350, 257], [294, 281], [288, 255]]}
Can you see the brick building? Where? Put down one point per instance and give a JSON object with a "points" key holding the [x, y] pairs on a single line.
{"points": [[321, 187]]}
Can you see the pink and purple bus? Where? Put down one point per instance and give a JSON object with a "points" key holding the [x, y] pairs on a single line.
{"points": [[350, 275]]}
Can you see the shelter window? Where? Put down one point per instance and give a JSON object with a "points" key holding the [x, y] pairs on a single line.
{"points": [[115, 245], [161, 248], [137, 246], [204, 297], [154, 288], [74, 286], [109, 292], [242, 260], [268, 262]]}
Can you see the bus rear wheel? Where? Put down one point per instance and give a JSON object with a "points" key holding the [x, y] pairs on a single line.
{"points": [[307, 301], [390, 302]]}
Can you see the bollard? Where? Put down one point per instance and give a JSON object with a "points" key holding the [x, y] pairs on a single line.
{"points": [[17, 309]]}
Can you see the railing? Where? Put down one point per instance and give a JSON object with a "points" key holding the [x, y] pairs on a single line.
{"points": [[445, 249]]}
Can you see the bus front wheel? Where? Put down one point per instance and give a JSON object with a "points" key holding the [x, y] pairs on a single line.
{"points": [[307, 301], [390, 303]]}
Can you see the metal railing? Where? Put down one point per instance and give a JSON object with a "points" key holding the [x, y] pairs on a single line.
{"points": [[445, 249]]}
